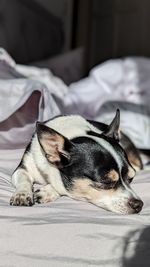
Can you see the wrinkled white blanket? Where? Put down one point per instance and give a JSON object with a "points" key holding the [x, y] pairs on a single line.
{"points": [[119, 83], [24, 100], [65, 233]]}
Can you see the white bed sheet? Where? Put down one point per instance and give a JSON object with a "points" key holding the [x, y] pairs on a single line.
{"points": [[72, 233]]}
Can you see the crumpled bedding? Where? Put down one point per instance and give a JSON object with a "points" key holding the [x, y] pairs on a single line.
{"points": [[65, 232], [120, 83], [26, 95]]}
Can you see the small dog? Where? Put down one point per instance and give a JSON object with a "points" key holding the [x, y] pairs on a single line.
{"points": [[81, 159]]}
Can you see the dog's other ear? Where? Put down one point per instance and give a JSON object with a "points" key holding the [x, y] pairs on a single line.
{"points": [[113, 129], [55, 146]]}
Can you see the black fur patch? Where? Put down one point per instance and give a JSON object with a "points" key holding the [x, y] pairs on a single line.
{"points": [[88, 159]]}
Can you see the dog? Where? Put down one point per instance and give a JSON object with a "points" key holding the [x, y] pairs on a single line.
{"points": [[82, 159]]}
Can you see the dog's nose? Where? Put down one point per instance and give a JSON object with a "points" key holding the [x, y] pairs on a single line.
{"points": [[136, 204]]}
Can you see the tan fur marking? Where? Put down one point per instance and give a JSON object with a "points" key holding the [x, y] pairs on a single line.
{"points": [[135, 162], [83, 189], [113, 175], [131, 172]]}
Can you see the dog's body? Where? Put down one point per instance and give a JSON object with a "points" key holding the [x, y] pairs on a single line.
{"points": [[80, 159]]}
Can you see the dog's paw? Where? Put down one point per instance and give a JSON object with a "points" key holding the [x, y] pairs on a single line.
{"points": [[45, 194], [40, 196], [22, 199]]}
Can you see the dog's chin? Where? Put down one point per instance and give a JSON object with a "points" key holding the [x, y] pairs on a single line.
{"points": [[124, 211]]}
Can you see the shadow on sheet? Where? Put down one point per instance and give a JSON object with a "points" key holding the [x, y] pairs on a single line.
{"points": [[141, 245]]}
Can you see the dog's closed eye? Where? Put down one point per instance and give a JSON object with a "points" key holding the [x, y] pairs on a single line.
{"points": [[104, 184]]}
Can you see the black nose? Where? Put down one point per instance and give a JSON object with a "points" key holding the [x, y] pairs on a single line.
{"points": [[136, 204]]}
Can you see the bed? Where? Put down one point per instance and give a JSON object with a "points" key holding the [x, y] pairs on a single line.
{"points": [[65, 232]]}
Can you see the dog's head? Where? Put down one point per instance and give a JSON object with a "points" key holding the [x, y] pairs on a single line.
{"points": [[93, 167]]}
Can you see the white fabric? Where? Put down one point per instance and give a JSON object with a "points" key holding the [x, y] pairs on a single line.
{"points": [[71, 233], [120, 79], [135, 125], [17, 91], [25, 100], [120, 83]]}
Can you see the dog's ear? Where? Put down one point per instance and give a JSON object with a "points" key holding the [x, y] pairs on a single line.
{"points": [[54, 145], [113, 129]]}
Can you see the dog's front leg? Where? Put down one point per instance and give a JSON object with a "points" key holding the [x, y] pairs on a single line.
{"points": [[23, 183]]}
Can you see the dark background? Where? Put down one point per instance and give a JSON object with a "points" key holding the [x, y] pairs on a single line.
{"points": [[72, 36]]}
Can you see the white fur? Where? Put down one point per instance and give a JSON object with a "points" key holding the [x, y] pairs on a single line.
{"points": [[71, 126], [46, 194]]}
